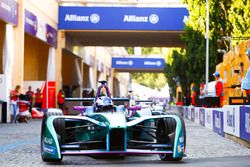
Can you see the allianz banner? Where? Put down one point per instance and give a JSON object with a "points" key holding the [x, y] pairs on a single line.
{"points": [[218, 122], [138, 63], [209, 118], [232, 119], [202, 117], [122, 18]]}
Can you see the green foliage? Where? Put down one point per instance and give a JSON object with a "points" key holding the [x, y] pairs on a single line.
{"points": [[239, 17], [152, 80], [130, 50], [230, 18], [227, 18], [178, 69]]}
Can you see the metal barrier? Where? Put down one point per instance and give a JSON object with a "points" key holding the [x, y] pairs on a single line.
{"points": [[231, 120]]}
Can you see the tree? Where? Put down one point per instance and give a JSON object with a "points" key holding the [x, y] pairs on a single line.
{"points": [[152, 80], [177, 69], [194, 58], [239, 17]]}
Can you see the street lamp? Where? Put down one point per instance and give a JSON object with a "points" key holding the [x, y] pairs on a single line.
{"points": [[207, 44]]}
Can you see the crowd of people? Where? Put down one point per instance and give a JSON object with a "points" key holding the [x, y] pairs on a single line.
{"points": [[196, 94], [21, 104]]}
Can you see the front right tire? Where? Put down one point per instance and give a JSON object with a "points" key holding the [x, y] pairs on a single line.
{"points": [[166, 135]]}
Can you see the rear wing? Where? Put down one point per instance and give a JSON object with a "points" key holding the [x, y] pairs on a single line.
{"points": [[117, 100], [92, 99]]}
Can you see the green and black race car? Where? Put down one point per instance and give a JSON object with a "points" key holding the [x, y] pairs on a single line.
{"points": [[104, 129]]}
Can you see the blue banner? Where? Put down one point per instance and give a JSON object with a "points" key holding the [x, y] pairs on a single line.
{"points": [[245, 123], [192, 114], [39, 28], [121, 18], [218, 122], [202, 116], [186, 112], [138, 63], [9, 11]]}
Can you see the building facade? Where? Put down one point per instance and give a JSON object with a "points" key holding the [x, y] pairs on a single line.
{"points": [[33, 51]]}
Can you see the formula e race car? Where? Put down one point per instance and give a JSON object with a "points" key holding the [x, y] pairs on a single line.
{"points": [[105, 129]]}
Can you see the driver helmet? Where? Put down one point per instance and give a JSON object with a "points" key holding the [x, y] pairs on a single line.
{"points": [[104, 104]]}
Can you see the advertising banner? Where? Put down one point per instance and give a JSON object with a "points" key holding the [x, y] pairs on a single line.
{"points": [[192, 114], [9, 11], [218, 122], [122, 18], [232, 119], [189, 112], [138, 63], [30, 25], [40, 29], [185, 110], [51, 35], [180, 110], [196, 115], [245, 123], [202, 117], [209, 118], [49, 95]]}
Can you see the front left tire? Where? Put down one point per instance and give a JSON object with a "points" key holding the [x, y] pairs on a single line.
{"points": [[59, 125]]}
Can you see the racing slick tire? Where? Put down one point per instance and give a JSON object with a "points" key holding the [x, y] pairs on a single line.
{"points": [[166, 134], [59, 125], [182, 123]]}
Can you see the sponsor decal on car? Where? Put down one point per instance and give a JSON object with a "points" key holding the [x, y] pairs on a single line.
{"points": [[49, 149], [181, 147], [48, 140], [181, 139]]}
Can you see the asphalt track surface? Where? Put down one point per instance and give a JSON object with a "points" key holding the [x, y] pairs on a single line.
{"points": [[20, 146]]}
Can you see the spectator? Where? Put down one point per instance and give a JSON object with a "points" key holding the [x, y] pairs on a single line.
{"points": [[14, 95], [61, 99], [219, 87], [38, 98], [245, 85], [193, 94], [23, 106], [193, 100], [202, 89], [29, 97]]}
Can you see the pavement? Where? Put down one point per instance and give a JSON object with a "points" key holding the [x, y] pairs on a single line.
{"points": [[20, 146]]}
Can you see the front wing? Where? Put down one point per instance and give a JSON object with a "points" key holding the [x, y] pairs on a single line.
{"points": [[97, 137]]}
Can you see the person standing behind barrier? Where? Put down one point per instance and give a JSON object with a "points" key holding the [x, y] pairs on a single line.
{"points": [[61, 99], [30, 95], [219, 87], [202, 89], [38, 98], [246, 85], [14, 94]]}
